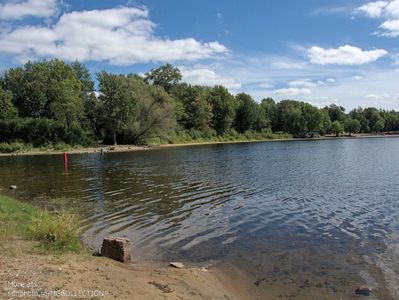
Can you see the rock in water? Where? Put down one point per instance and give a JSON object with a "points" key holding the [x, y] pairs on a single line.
{"points": [[13, 187], [116, 248], [178, 265], [364, 290]]}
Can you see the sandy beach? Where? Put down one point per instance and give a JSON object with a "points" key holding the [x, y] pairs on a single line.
{"points": [[23, 270]]}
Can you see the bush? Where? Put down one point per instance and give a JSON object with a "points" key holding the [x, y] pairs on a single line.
{"points": [[61, 146], [58, 231], [13, 147], [42, 132]]}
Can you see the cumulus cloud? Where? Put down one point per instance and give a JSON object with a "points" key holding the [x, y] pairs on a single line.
{"points": [[121, 36], [35, 8], [205, 76], [290, 92], [344, 55], [390, 28], [373, 9], [330, 80], [387, 10]]}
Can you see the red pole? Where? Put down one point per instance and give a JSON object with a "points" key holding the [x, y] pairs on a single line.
{"points": [[65, 162]]}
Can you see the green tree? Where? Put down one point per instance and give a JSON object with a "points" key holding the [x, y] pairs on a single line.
{"points": [[47, 89], [7, 108], [379, 125], [352, 125], [269, 110], [154, 115], [336, 113], [117, 108], [325, 125], [392, 121], [165, 76], [291, 118], [224, 106], [246, 113], [313, 118], [337, 128], [63, 94]]}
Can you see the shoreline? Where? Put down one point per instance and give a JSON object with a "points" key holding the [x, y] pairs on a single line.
{"points": [[29, 269], [109, 279], [133, 148]]}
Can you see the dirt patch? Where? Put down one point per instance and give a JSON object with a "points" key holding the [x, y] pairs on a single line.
{"points": [[24, 272]]}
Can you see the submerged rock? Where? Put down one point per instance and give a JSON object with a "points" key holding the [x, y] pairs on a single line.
{"points": [[364, 290], [178, 265], [116, 248]]}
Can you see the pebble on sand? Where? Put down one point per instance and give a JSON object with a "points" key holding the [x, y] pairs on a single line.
{"points": [[178, 265]]}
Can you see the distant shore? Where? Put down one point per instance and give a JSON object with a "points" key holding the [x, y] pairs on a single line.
{"points": [[132, 148]]}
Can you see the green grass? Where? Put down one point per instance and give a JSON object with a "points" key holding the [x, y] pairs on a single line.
{"points": [[185, 137], [56, 232], [18, 147]]}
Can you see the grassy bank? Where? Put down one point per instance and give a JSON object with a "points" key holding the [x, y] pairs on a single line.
{"points": [[180, 139], [19, 147], [56, 232]]}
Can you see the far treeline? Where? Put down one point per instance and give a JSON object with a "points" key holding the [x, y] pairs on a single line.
{"points": [[54, 104]]}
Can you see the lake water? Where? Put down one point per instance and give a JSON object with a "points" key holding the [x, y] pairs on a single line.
{"points": [[304, 220]]}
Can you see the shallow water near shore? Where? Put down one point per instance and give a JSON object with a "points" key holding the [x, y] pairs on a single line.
{"points": [[304, 219]]}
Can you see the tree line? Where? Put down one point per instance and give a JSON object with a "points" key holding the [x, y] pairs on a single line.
{"points": [[50, 102]]}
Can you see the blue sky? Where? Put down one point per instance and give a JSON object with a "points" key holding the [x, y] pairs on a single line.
{"points": [[322, 52]]}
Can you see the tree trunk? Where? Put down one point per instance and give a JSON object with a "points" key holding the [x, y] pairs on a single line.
{"points": [[114, 136]]}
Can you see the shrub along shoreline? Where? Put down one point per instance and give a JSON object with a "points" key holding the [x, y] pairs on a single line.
{"points": [[56, 232]]}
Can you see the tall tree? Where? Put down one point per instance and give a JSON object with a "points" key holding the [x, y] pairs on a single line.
{"points": [[117, 104], [246, 113], [224, 106], [165, 76], [352, 125], [337, 128], [154, 111]]}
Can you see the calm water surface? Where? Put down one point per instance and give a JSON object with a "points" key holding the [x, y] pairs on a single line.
{"points": [[301, 218]]}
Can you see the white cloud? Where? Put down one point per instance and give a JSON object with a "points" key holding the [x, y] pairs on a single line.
{"points": [[330, 80], [373, 9], [121, 36], [392, 9], [306, 83], [378, 97], [36, 8], [391, 28], [344, 55], [200, 75], [288, 65], [387, 10], [265, 85], [357, 77], [289, 92]]}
